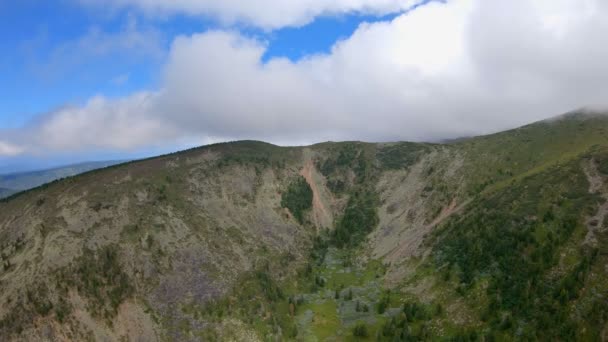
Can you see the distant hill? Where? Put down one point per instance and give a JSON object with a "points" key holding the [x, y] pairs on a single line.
{"points": [[20, 181], [6, 192], [502, 237]]}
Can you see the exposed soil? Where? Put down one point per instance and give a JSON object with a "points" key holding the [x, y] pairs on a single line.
{"points": [[321, 215], [596, 185]]}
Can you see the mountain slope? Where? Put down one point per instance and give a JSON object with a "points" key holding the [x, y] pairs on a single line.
{"points": [[501, 236]]}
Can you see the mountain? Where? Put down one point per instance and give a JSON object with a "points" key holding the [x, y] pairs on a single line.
{"points": [[498, 237], [4, 192], [26, 180]]}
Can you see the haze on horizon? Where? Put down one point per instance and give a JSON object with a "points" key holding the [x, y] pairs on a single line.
{"points": [[92, 79]]}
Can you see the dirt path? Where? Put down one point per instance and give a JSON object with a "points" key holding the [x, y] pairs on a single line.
{"points": [[322, 216], [596, 185]]}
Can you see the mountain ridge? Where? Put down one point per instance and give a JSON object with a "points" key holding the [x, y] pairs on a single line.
{"points": [[226, 242]]}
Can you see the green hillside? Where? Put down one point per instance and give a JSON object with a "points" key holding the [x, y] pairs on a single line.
{"points": [[499, 237]]}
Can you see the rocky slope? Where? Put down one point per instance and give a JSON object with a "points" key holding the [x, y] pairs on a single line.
{"points": [[497, 237]]}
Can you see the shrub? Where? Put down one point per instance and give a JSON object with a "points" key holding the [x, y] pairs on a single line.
{"points": [[297, 198], [360, 330], [359, 219], [99, 276]]}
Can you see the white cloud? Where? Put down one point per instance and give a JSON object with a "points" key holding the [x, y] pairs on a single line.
{"points": [[443, 70], [268, 14], [9, 150]]}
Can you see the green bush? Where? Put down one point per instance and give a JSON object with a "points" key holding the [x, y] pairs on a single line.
{"points": [[297, 198], [401, 155], [383, 303], [359, 219], [360, 330], [513, 238]]}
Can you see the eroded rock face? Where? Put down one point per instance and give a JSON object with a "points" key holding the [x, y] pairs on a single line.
{"points": [[412, 207], [167, 248], [184, 228]]}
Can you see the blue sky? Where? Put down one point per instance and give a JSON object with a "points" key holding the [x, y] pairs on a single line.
{"points": [[39, 75], [32, 34], [117, 79]]}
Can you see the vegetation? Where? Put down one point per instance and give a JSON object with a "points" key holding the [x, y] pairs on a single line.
{"points": [[36, 302], [99, 277], [253, 153], [360, 330], [498, 158], [401, 155], [260, 301], [509, 251], [511, 240], [348, 157], [297, 198], [360, 215], [410, 325], [359, 219]]}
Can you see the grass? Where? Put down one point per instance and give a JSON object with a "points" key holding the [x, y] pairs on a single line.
{"points": [[325, 321], [265, 303], [497, 158], [341, 277]]}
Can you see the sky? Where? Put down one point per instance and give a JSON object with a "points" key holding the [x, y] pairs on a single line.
{"points": [[120, 79]]}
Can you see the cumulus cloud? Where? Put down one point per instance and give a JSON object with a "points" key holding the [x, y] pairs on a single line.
{"points": [[268, 14], [443, 70]]}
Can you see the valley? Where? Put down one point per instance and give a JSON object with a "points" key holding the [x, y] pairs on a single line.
{"points": [[493, 238]]}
